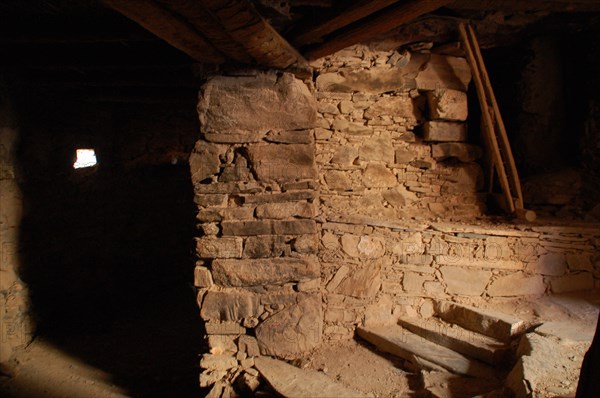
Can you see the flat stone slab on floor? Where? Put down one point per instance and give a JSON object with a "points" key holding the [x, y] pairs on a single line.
{"points": [[490, 323], [400, 342], [567, 331], [291, 382], [463, 341]]}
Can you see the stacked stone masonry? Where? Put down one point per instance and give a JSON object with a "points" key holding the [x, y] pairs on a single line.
{"points": [[351, 200], [256, 187], [392, 137]]}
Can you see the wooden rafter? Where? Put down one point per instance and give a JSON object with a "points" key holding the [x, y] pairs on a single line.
{"points": [[401, 14], [248, 28], [168, 27], [314, 33], [202, 20]]}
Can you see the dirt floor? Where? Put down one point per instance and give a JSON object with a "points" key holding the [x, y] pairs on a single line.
{"points": [[149, 353], [122, 361]]}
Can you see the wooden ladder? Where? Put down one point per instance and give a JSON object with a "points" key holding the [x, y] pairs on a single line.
{"points": [[496, 139]]}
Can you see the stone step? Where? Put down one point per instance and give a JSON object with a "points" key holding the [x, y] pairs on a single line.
{"points": [[402, 343], [463, 341], [490, 323], [290, 381]]}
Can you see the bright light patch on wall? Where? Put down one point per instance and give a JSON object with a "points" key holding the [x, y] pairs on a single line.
{"points": [[85, 158]]}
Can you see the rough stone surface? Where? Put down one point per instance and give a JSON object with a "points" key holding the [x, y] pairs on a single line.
{"points": [[448, 105], [517, 285], [223, 247], [290, 381], [377, 149], [378, 176], [444, 72], [229, 306], [217, 362], [268, 227], [468, 282], [444, 131], [292, 331], [232, 273], [553, 264], [364, 282], [337, 180], [401, 106], [256, 103], [284, 210], [282, 163], [572, 283], [204, 161]]}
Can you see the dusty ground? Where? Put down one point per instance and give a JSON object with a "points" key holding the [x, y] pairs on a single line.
{"points": [[152, 352], [121, 361]]}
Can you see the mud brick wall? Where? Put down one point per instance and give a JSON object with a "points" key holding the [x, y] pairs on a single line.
{"points": [[256, 187], [392, 140]]}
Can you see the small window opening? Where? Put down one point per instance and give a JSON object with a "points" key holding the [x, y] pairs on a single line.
{"points": [[85, 158]]}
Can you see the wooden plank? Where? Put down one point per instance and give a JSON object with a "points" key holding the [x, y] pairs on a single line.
{"points": [[501, 129], [261, 41], [199, 18], [489, 125], [168, 27], [313, 33], [402, 14]]}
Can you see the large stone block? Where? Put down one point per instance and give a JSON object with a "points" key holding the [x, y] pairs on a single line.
{"points": [[222, 247], [378, 176], [443, 71], [337, 180], [204, 160], [279, 197], [285, 210], [268, 227], [256, 103], [363, 246], [361, 283], [448, 105], [552, 264], [465, 281], [294, 331], [444, 131], [377, 149], [229, 306], [210, 199], [397, 106], [517, 284], [283, 163], [236, 273], [290, 137], [266, 246]]}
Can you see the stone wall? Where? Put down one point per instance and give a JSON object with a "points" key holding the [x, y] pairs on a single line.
{"points": [[15, 322], [392, 140], [395, 165], [255, 183], [352, 200]]}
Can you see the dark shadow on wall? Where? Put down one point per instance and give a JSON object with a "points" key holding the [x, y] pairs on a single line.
{"points": [[108, 252]]}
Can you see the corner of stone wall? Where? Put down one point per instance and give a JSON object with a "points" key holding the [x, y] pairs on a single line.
{"points": [[16, 327], [256, 187]]}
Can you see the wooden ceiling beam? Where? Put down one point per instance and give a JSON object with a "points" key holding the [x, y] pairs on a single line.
{"points": [[400, 15], [246, 26], [168, 27], [313, 33], [203, 21]]}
